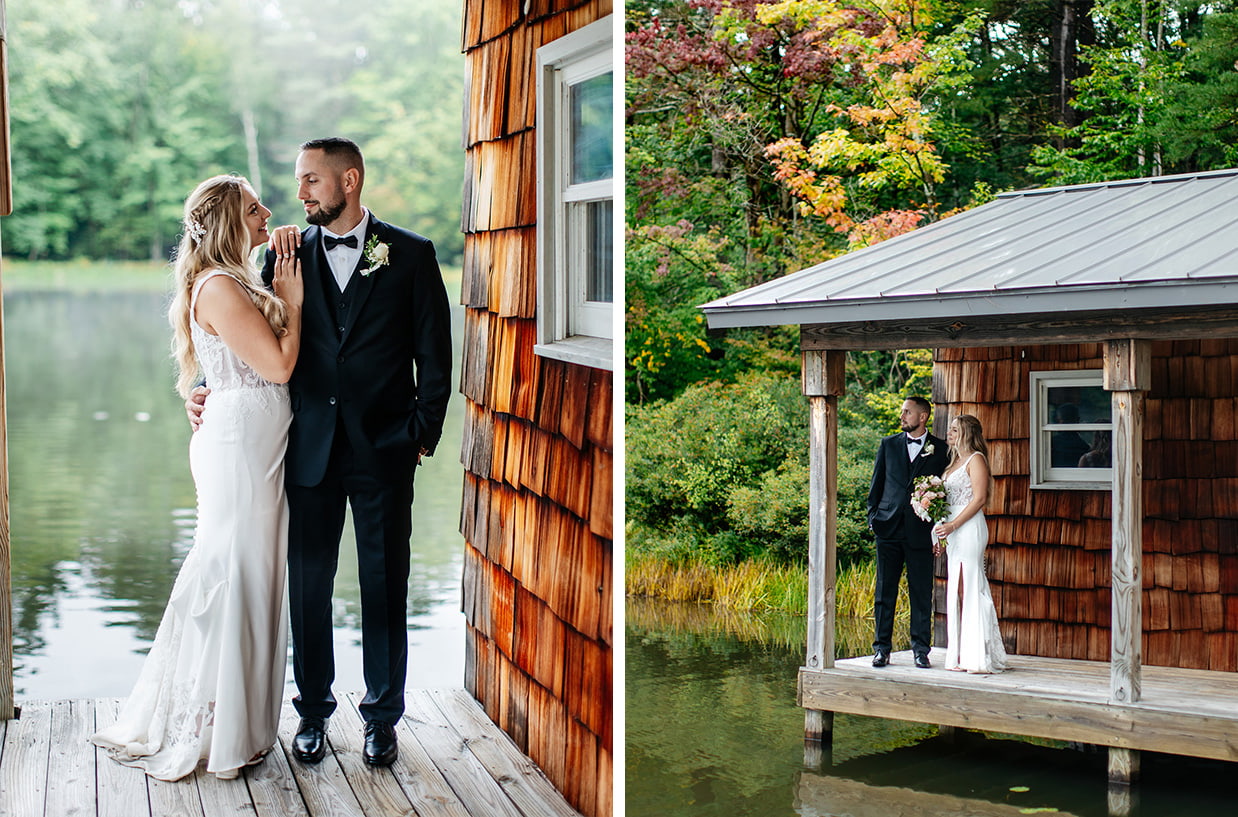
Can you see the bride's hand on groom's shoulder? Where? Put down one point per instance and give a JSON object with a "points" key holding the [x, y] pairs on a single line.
{"points": [[194, 405], [285, 239]]}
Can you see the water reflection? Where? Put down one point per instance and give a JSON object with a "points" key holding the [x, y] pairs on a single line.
{"points": [[713, 729], [101, 504]]}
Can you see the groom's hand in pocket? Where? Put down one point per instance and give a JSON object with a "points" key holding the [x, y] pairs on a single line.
{"points": [[195, 404]]}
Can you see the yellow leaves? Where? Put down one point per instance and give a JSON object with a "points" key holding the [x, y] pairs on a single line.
{"points": [[884, 140], [823, 14]]}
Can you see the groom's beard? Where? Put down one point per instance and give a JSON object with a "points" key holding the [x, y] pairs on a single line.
{"points": [[326, 214]]}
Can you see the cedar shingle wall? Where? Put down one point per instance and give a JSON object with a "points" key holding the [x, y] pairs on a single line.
{"points": [[537, 450], [1049, 558]]}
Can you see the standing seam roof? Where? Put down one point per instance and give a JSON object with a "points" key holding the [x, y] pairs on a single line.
{"points": [[1083, 247]]}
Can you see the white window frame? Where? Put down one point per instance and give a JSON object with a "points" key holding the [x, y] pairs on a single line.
{"points": [[569, 328], [1043, 474]]}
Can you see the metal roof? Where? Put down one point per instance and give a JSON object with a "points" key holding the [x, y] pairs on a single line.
{"points": [[1170, 241]]}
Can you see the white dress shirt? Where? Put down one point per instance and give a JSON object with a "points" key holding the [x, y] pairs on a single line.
{"points": [[343, 260], [915, 445]]}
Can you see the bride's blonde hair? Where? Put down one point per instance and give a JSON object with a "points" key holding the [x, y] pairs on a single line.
{"points": [[215, 238], [971, 438]]}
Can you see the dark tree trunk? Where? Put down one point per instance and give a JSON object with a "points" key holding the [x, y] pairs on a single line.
{"points": [[1071, 28]]}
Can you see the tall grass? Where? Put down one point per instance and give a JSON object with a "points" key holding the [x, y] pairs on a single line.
{"points": [[755, 585]]}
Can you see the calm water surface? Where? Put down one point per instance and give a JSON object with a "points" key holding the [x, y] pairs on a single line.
{"points": [[102, 504], [713, 731]]}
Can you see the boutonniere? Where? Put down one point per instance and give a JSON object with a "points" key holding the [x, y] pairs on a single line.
{"points": [[928, 450], [376, 255]]}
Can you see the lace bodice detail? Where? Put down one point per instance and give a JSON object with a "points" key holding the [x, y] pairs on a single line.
{"points": [[222, 368], [958, 485]]}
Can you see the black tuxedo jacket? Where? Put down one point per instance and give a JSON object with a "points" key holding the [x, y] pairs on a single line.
{"points": [[889, 497], [383, 373]]}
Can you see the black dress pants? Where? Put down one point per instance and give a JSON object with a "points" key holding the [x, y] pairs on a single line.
{"points": [[382, 520], [892, 555]]}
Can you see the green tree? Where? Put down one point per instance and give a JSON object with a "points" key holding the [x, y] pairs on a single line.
{"points": [[119, 109], [1137, 68]]}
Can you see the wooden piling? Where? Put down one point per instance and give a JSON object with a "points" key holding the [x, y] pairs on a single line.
{"points": [[823, 375]]}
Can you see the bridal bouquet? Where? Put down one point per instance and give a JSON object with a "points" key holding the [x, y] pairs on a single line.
{"points": [[928, 500]]}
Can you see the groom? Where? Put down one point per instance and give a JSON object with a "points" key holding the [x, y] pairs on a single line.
{"points": [[369, 394], [902, 538]]}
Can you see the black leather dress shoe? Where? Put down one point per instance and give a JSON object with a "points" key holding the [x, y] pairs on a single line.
{"points": [[922, 662], [380, 743], [310, 743], [881, 658]]}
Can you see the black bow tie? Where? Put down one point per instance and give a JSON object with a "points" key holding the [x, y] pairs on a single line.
{"points": [[331, 242], [913, 441]]}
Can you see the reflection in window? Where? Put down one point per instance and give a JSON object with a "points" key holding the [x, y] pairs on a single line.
{"points": [[1071, 407], [1072, 430], [592, 130]]}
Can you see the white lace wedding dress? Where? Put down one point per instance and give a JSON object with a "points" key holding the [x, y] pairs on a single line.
{"points": [[973, 639], [212, 686]]}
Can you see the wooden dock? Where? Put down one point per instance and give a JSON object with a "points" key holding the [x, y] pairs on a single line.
{"points": [[454, 762], [1181, 711]]}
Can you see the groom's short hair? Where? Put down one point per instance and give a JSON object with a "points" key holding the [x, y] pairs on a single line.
{"points": [[340, 150], [921, 403]]}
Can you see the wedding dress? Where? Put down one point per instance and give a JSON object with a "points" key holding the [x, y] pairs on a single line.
{"points": [[973, 639], [213, 683]]}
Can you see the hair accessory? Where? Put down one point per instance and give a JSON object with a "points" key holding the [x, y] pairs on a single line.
{"points": [[196, 231]]}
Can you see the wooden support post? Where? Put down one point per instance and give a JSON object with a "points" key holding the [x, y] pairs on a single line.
{"points": [[823, 383], [1123, 772], [1127, 376], [1123, 765], [7, 710]]}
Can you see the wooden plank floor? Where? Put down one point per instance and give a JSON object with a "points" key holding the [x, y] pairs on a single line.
{"points": [[453, 763], [1182, 711]]}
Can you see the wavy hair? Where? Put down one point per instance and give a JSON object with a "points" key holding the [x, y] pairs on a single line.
{"points": [[215, 238], [971, 438]]}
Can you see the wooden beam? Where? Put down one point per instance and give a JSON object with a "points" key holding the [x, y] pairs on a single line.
{"points": [[6, 165], [7, 709], [1128, 365], [1127, 375], [823, 383], [1008, 330], [1031, 702]]}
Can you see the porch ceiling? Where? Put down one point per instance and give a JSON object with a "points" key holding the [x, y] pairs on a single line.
{"points": [[1128, 248]]}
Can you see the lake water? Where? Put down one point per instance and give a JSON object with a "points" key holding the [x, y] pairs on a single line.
{"points": [[102, 504], [713, 731]]}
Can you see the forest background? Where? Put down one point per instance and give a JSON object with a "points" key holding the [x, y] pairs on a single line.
{"points": [[766, 137], [120, 107]]}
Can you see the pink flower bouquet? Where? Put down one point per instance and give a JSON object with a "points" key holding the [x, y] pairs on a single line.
{"points": [[928, 500]]}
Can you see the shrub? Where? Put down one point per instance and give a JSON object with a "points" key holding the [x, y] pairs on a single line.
{"points": [[719, 475]]}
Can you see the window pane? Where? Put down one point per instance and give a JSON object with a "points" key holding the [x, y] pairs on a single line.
{"points": [[592, 130], [1070, 405], [1099, 454], [599, 280], [1079, 449]]}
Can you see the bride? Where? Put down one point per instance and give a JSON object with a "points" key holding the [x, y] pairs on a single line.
{"points": [[212, 685], [973, 639]]}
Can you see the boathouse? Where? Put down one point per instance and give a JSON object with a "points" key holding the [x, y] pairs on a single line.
{"points": [[537, 375], [1093, 331]]}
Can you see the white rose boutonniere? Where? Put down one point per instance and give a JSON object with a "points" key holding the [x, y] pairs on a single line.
{"points": [[376, 255], [928, 450]]}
